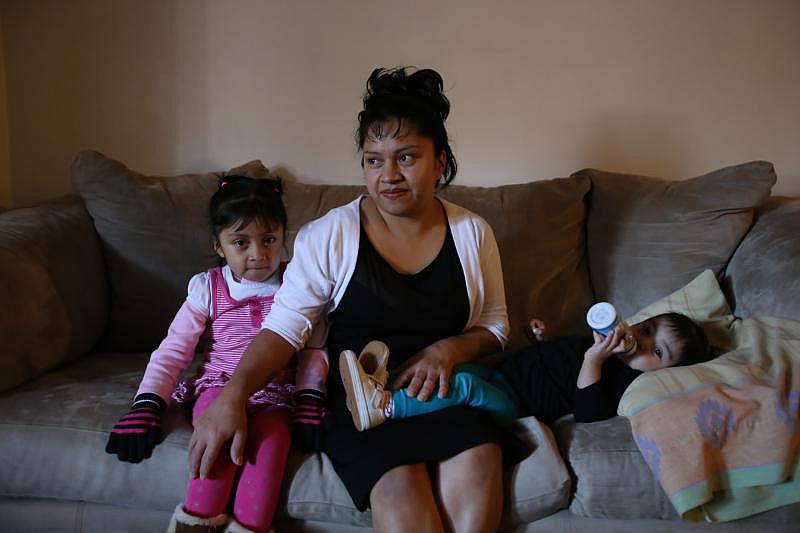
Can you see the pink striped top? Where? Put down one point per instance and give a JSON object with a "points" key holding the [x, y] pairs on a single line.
{"points": [[233, 325], [223, 332]]}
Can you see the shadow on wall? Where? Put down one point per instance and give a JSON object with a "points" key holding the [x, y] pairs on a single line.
{"points": [[121, 78]]}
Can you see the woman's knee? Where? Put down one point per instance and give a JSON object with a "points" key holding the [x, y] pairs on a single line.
{"points": [[487, 455], [483, 462], [403, 497]]}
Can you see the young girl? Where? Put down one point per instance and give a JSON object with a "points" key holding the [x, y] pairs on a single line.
{"points": [[548, 379], [225, 307]]}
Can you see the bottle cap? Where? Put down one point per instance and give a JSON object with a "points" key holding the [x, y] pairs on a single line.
{"points": [[602, 317]]}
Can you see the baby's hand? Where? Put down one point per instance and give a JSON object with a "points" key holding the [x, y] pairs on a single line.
{"points": [[536, 331], [603, 347]]}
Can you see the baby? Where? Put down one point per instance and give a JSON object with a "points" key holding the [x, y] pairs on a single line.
{"points": [[547, 379]]}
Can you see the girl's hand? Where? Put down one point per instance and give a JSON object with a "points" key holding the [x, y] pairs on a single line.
{"points": [[424, 371], [136, 434], [536, 331]]}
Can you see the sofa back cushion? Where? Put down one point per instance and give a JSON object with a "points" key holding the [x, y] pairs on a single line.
{"points": [[154, 235], [53, 288], [762, 278], [649, 236], [540, 231]]}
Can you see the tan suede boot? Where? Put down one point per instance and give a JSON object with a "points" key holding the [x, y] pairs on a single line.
{"points": [[183, 522], [236, 527]]}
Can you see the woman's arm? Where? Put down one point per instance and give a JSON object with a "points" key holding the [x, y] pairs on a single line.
{"points": [[433, 365], [225, 418]]}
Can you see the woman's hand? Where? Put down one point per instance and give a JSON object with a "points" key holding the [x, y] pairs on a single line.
{"points": [[225, 419], [424, 371], [433, 365]]}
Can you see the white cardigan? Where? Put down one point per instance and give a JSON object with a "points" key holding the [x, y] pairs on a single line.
{"points": [[325, 253]]}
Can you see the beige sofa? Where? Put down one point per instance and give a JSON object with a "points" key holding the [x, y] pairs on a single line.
{"points": [[89, 283]]}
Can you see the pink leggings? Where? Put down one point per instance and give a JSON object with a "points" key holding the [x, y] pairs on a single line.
{"points": [[259, 478]]}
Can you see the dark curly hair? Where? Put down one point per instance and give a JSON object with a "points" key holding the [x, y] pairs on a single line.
{"points": [[413, 99]]}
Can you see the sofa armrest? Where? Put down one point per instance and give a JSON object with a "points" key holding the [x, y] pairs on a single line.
{"points": [[762, 276], [53, 288]]}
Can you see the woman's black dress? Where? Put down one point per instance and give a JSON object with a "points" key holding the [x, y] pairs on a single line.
{"points": [[408, 312]]}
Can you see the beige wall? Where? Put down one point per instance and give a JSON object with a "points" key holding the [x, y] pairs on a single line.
{"points": [[539, 88]]}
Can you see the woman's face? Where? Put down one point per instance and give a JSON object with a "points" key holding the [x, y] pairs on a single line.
{"points": [[401, 170]]}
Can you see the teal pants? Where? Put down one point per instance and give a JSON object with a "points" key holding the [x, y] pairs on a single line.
{"points": [[471, 384]]}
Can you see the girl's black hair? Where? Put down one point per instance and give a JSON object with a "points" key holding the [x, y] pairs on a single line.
{"points": [[413, 100], [240, 200], [696, 346]]}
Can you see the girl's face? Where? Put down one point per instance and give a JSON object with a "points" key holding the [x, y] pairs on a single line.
{"points": [[401, 171], [657, 346], [253, 252]]}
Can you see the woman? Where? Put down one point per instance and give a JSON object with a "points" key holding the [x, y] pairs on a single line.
{"points": [[418, 273]]}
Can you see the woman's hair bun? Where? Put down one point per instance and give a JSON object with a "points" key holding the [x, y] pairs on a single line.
{"points": [[424, 84]]}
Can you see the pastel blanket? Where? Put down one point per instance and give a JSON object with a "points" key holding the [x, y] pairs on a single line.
{"points": [[723, 437]]}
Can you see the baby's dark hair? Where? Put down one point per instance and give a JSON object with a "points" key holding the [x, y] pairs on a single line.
{"points": [[696, 347], [239, 200], [413, 100]]}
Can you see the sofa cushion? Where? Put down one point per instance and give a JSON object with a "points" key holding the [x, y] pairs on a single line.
{"points": [[155, 236], [611, 478], [539, 227], [53, 288], [648, 236], [764, 269], [55, 430]]}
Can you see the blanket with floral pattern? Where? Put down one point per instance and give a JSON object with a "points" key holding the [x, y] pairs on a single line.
{"points": [[723, 437]]}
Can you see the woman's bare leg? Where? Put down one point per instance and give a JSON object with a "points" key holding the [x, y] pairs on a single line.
{"points": [[469, 488], [402, 500]]}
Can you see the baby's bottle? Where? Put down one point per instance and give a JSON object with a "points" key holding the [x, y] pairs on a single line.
{"points": [[603, 318]]}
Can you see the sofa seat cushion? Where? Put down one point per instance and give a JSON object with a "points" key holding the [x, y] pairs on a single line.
{"points": [[611, 478], [55, 431]]}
